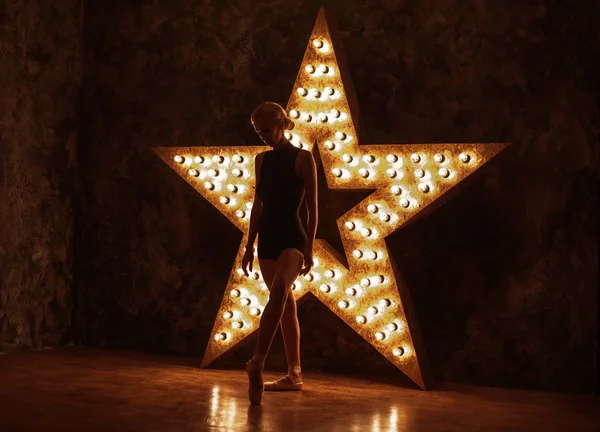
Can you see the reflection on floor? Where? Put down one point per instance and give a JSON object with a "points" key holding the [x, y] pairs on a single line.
{"points": [[82, 389]]}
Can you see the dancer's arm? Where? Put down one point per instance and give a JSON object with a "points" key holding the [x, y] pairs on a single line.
{"points": [[256, 205], [309, 173]]}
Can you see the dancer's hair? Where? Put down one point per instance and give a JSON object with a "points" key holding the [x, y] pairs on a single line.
{"points": [[274, 111]]}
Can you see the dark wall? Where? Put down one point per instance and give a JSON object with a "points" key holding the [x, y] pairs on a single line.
{"points": [[40, 76], [503, 277]]}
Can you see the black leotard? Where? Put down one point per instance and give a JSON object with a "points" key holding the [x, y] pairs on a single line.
{"points": [[281, 191]]}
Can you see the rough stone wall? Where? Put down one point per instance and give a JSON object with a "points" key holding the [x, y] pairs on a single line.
{"points": [[40, 75], [503, 277]]}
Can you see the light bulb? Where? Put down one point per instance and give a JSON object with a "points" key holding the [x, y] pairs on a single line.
{"points": [[404, 202], [302, 91], [194, 172], [369, 158], [208, 185], [310, 69], [224, 200], [221, 336], [398, 351], [343, 304], [329, 273], [324, 69], [238, 159], [391, 158], [464, 157], [318, 43], [329, 91], [213, 172], [396, 190], [371, 255], [232, 188], [227, 314], [337, 172], [393, 327], [372, 208], [347, 158], [438, 157], [316, 93], [237, 324], [240, 213], [380, 335], [237, 172], [309, 277], [340, 135], [379, 279], [363, 172], [306, 117], [336, 113], [372, 310], [326, 288], [329, 145], [287, 135], [357, 253], [218, 159], [235, 292], [385, 303], [199, 159], [179, 159], [391, 172], [188, 161], [245, 301], [255, 311], [350, 225], [294, 114], [385, 217], [361, 319], [415, 158], [423, 187], [444, 172], [365, 282], [420, 173], [366, 232], [255, 276], [351, 291], [323, 118]]}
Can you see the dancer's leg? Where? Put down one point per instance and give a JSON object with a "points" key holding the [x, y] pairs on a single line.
{"points": [[287, 269], [290, 327]]}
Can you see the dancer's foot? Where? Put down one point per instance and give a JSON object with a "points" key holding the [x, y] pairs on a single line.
{"points": [[256, 385], [287, 383]]}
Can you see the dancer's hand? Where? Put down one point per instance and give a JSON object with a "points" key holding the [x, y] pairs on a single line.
{"points": [[248, 259], [308, 260]]}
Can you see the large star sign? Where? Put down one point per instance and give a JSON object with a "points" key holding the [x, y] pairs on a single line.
{"points": [[406, 178]]}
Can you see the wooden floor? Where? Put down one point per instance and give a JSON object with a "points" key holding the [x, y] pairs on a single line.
{"points": [[82, 389]]}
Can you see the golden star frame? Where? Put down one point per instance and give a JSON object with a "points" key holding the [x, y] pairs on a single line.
{"points": [[369, 295]]}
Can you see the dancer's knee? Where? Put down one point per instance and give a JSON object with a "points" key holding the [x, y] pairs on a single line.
{"points": [[279, 293]]}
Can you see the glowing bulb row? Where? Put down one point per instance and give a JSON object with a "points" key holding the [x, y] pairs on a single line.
{"points": [[322, 116], [319, 70], [314, 93], [219, 159]]}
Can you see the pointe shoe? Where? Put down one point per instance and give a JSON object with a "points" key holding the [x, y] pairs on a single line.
{"points": [[287, 383], [256, 385]]}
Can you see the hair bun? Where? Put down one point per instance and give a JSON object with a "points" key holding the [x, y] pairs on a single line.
{"points": [[289, 124]]}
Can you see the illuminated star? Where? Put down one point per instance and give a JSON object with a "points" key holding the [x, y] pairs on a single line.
{"points": [[406, 178]]}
